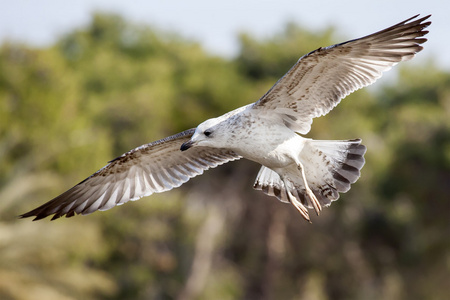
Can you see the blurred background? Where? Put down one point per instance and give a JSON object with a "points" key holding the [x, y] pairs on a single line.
{"points": [[83, 82]]}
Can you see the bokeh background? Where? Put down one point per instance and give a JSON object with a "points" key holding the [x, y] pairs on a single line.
{"points": [[83, 82]]}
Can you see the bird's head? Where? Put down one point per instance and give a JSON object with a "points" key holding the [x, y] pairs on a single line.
{"points": [[207, 134]]}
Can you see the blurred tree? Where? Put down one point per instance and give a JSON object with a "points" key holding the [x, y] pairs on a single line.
{"points": [[113, 85]]}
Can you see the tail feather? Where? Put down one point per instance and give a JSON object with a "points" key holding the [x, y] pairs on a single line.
{"points": [[344, 160], [271, 184], [330, 168]]}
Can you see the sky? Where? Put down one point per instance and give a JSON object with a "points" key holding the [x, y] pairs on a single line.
{"points": [[216, 24]]}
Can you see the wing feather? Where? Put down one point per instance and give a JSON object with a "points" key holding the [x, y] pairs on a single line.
{"points": [[152, 168], [320, 79]]}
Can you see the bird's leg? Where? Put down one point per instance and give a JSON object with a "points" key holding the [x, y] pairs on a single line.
{"points": [[309, 192], [297, 204]]}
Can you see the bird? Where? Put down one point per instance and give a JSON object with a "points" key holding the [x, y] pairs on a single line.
{"points": [[305, 172]]}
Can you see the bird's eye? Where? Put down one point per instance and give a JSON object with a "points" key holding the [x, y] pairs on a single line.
{"points": [[207, 133]]}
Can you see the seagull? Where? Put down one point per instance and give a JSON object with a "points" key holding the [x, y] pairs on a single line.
{"points": [[307, 173]]}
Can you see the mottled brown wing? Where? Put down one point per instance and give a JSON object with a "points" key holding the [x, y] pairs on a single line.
{"points": [[320, 79], [152, 168]]}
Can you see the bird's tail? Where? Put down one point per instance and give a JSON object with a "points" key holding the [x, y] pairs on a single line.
{"points": [[330, 167]]}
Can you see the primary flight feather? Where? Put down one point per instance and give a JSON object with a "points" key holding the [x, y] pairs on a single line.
{"points": [[305, 172]]}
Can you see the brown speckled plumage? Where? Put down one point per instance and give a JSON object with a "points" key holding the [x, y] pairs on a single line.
{"points": [[304, 172]]}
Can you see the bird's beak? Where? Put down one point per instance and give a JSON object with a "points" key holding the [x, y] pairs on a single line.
{"points": [[186, 145]]}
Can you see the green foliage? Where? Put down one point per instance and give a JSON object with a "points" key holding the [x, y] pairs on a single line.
{"points": [[111, 86], [273, 57]]}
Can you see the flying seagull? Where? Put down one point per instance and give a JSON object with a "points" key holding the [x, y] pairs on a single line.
{"points": [[305, 172]]}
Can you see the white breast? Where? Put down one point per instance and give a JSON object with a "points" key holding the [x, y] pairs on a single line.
{"points": [[268, 143]]}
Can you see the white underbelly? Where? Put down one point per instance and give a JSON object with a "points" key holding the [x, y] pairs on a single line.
{"points": [[273, 151]]}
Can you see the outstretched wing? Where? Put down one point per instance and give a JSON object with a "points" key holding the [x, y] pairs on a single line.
{"points": [[152, 168], [320, 79]]}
